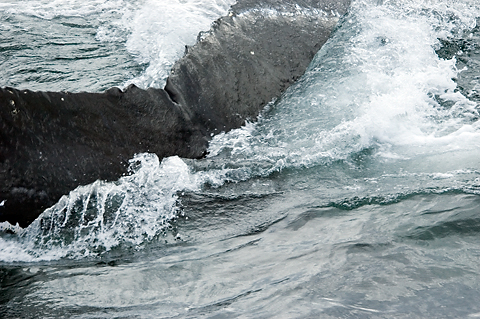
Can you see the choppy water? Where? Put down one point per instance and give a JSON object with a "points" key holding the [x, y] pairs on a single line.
{"points": [[356, 195]]}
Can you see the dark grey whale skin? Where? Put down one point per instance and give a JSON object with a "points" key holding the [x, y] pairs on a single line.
{"points": [[52, 142]]}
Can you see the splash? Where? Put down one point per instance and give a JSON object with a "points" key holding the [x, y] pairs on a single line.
{"points": [[378, 83], [159, 31], [102, 216], [97, 44]]}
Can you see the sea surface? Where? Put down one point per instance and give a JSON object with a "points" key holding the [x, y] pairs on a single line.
{"points": [[356, 194]]}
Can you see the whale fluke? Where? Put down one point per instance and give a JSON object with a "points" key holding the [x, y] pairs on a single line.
{"points": [[52, 142]]}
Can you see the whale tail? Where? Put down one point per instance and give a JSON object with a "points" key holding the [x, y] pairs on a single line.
{"points": [[52, 142]]}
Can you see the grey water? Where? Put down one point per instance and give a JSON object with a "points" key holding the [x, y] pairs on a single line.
{"points": [[355, 195]]}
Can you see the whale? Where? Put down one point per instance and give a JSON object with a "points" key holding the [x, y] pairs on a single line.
{"points": [[53, 142]]}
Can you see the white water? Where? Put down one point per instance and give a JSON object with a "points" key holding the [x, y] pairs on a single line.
{"points": [[376, 83], [178, 22], [141, 34]]}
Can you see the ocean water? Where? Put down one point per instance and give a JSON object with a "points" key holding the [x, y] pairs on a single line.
{"points": [[356, 194]]}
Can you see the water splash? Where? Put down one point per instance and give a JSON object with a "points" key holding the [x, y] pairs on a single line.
{"points": [[101, 216], [98, 44], [160, 30], [378, 83]]}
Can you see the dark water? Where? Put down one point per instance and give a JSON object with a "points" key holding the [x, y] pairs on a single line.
{"points": [[356, 195]]}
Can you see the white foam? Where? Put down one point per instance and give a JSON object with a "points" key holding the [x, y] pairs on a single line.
{"points": [[377, 83], [98, 217], [155, 32], [398, 76], [160, 30]]}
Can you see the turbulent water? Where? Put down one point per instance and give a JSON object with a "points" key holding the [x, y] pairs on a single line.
{"points": [[355, 195]]}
